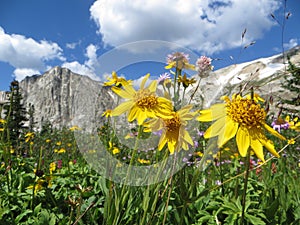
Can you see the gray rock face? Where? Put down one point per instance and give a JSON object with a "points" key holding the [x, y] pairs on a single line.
{"points": [[66, 99]]}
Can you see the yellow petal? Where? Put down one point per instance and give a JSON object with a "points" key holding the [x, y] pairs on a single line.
{"points": [[170, 65], [269, 145], [133, 113], [229, 132], [215, 128], [189, 66], [123, 107], [274, 132], [129, 89], [257, 147], [171, 146], [162, 141], [122, 93], [243, 141], [213, 113], [141, 116], [153, 85], [144, 80]]}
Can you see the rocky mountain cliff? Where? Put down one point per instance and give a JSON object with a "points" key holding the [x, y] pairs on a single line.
{"points": [[66, 99]]}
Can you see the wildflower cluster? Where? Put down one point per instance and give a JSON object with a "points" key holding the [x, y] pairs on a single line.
{"points": [[239, 117]]}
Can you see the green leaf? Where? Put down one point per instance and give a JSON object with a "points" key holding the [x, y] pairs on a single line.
{"points": [[254, 220], [20, 217]]}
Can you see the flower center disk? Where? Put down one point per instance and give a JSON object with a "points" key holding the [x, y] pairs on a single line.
{"points": [[145, 99], [246, 112], [173, 124]]}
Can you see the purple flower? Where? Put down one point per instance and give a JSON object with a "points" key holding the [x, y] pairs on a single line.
{"points": [[279, 124], [163, 77]]}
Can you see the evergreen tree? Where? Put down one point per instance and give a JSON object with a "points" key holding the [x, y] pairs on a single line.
{"points": [[31, 117], [292, 84], [15, 114]]}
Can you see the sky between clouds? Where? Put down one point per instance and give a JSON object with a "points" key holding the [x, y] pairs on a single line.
{"points": [[203, 26]]}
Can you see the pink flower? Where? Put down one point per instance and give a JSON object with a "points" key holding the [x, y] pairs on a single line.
{"points": [[203, 66]]}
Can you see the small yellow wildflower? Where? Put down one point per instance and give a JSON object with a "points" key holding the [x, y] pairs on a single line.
{"points": [[29, 136], [58, 143], [243, 118], [74, 128], [117, 81], [38, 186], [115, 150], [48, 140], [294, 123], [186, 81], [52, 167], [291, 141], [200, 154], [144, 161], [107, 113], [62, 150], [112, 148], [2, 121], [173, 129], [142, 104], [1, 129]]}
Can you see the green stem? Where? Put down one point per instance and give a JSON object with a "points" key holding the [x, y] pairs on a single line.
{"points": [[247, 168], [170, 188], [192, 96], [122, 200]]}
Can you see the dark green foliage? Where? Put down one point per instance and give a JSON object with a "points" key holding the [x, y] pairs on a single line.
{"points": [[292, 84], [15, 114]]}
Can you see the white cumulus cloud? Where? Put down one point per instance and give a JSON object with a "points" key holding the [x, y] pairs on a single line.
{"points": [[27, 55], [203, 25], [88, 67], [292, 43]]}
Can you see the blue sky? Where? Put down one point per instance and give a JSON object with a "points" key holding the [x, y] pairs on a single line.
{"points": [[134, 37]]}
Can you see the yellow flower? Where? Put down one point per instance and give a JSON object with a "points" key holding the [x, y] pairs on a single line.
{"points": [[291, 141], [58, 143], [29, 136], [48, 140], [52, 167], [107, 113], [2, 121], [142, 104], [115, 150], [294, 124], [74, 128], [173, 129], [185, 81], [112, 148], [144, 161], [38, 186], [1, 129], [62, 150], [117, 81], [243, 118], [179, 60], [92, 151]]}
